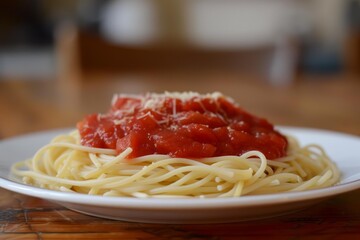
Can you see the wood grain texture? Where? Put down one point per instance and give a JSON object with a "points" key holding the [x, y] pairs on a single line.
{"points": [[328, 103], [32, 218]]}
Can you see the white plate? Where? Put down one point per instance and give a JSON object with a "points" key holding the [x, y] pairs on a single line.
{"points": [[342, 148]]}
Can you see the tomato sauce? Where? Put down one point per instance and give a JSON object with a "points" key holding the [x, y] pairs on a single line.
{"points": [[186, 125]]}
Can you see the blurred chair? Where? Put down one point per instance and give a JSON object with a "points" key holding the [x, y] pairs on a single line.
{"points": [[137, 37], [83, 55]]}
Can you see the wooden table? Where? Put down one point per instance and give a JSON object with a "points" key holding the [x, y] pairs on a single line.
{"points": [[331, 103]]}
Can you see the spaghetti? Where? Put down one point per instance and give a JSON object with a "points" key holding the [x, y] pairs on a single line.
{"points": [[67, 164]]}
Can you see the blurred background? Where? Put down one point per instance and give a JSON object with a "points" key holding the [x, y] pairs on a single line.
{"points": [[264, 53], [305, 36]]}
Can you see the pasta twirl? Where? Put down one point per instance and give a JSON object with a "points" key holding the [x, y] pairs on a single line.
{"points": [[66, 165]]}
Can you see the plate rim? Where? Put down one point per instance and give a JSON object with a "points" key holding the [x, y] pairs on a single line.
{"points": [[195, 203]]}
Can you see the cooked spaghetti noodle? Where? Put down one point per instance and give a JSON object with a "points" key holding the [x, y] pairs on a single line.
{"points": [[66, 165]]}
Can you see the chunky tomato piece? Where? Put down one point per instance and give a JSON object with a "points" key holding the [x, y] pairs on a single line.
{"points": [[186, 125]]}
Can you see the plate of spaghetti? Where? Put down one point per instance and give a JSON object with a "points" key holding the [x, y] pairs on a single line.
{"points": [[181, 158]]}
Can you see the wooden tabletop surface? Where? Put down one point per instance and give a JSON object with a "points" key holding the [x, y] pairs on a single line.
{"points": [[325, 102]]}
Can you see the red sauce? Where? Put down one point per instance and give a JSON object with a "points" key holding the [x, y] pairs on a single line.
{"points": [[194, 126]]}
